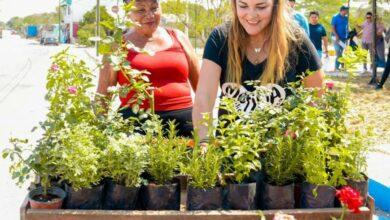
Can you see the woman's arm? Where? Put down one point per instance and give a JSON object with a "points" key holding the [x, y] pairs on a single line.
{"points": [[107, 78], [206, 94], [192, 57], [315, 80]]}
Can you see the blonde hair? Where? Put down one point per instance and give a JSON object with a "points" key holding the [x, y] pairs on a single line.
{"points": [[281, 33]]}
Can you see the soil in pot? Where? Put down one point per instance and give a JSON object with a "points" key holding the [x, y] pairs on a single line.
{"points": [[84, 198], [324, 199], [119, 197], [204, 199], [277, 197], [52, 200], [160, 197], [241, 196]]}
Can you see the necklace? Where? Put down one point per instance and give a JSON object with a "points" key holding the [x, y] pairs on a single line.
{"points": [[257, 50]]}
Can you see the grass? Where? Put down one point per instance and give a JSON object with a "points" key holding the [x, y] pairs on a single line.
{"points": [[373, 104]]}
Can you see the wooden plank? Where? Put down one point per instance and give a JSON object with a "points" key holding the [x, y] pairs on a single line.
{"points": [[299, 214], [23, 208]]}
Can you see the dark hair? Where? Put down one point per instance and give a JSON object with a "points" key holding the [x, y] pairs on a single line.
{"points": [[369, 13], [314, 13]]}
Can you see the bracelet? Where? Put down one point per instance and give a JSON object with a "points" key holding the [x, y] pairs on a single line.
{"points": [[204, 140]]}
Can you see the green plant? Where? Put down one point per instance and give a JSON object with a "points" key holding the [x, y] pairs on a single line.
{"points": [[77, 157], [68, 82], [203, 166], [38, 162], [124, 159], [165, 153], [241, 146]]}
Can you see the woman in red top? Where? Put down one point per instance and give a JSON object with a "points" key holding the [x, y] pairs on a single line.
{"points": [[173, 67]]}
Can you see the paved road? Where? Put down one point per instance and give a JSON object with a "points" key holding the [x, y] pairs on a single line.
{"points": [[23, 67]]}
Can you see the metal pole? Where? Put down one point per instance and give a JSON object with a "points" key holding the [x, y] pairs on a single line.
{"points": [[373, 79], [97, 25], [71, 24], [59, 21], [348, 5]]}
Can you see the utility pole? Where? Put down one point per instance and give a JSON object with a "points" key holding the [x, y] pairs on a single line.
{"points": [[59, 21], [374, 13], [97, 25]]}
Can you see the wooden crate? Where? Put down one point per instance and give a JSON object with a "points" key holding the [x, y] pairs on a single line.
{"points": [[26, 213]]}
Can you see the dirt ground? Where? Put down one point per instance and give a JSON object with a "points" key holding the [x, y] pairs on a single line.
{"points": [[373, 104]]}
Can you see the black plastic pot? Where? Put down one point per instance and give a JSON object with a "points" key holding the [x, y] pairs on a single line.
{"points": [[204, 199], [361, 186], [84, 198], [241, 196], [53, 198], [297, 194], [118, 197], [160, 197], [324, 199], [277, 197]]}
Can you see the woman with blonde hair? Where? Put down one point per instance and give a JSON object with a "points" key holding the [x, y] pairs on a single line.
{"points": [[262, 42]]}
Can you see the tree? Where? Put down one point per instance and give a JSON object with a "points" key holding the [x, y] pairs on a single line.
{"points": [[326, 8], [203, 17], [88, 25], [15, 23]]}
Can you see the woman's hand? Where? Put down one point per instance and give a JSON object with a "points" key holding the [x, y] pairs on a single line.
{"points": [[205, 95]]}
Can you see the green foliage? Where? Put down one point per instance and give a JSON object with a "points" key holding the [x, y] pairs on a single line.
{"points": [[41, 19], [88, 25], [16, 23], [77, 157], [67, 87], [241, 146], [124, 159], [39, 161], [202, 18], [165, 153], [86, 32], [203, 166]]}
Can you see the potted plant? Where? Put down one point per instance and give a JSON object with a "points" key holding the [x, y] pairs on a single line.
{"points": [[287, 128], [203, 167], [123, 161], [241, 160], [317, 192], [79, 166], [164, 156], [39, 162]]}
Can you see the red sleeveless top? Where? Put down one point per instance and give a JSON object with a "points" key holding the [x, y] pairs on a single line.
{"points": [[169, 74]]}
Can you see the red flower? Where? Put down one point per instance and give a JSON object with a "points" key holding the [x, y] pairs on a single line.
{"points": [[72, 89], [350, 198], [291, 134], [329, 85], [54, 67]]}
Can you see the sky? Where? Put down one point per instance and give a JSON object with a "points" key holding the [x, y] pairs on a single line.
{"points": [[21, 8]]}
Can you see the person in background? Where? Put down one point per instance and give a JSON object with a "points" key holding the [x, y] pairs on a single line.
{"points": [[340, 33], [174, 68], [380, 43], [351, 37], [386, 72], [299, 18], [318, 34], [367, 29]]}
